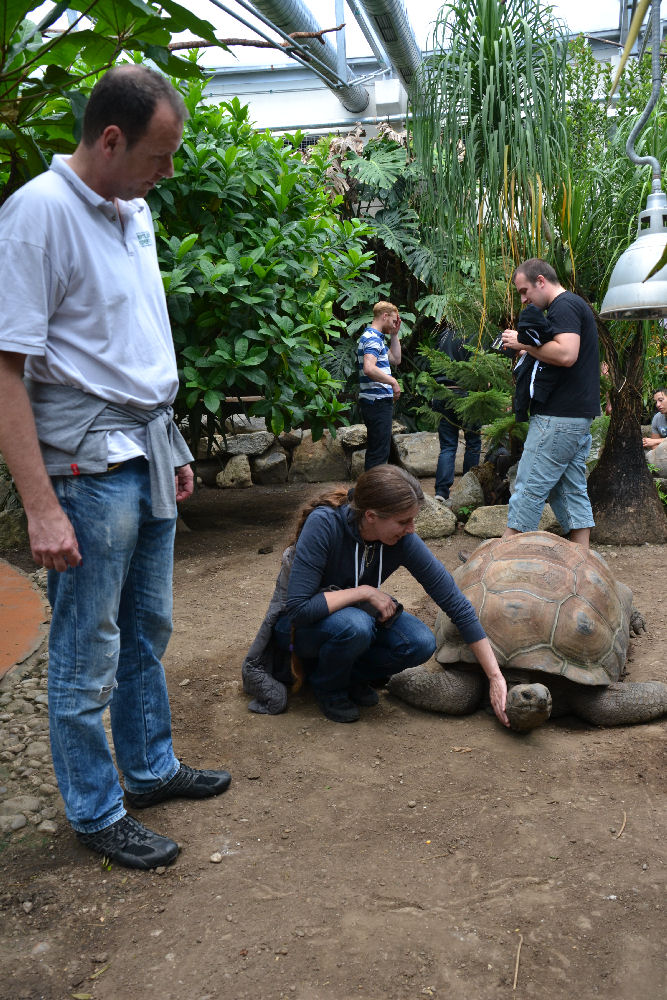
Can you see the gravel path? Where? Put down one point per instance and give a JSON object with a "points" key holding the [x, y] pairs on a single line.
{"points": [[28, 789]]}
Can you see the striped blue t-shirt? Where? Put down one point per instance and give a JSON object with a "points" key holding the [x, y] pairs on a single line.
{"points": [[373, 342]]}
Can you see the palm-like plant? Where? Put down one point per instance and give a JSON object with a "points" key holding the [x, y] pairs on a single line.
{"points": [[489, 130], [523, 161]]}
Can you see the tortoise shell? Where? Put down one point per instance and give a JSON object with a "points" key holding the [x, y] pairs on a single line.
{"points": [[547, 605]]}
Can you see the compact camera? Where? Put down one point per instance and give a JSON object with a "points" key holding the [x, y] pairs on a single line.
{"points": [[498, 348]]}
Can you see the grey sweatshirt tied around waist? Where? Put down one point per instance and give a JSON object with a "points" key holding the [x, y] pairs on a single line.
{"points": [[72, 428]]}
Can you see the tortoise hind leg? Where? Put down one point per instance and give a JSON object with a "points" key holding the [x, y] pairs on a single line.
{"points": [[620, 704], [454, 692]]}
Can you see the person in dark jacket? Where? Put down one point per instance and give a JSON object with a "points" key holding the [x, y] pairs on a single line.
{"points": [[350, 634], [452, 344], [534, 379]]}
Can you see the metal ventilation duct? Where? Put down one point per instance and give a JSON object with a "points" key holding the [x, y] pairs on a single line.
{"points": [[393, 28], [293, 15]]}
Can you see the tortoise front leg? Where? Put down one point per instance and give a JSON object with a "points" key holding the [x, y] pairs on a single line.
{"points": [[454, 692]]}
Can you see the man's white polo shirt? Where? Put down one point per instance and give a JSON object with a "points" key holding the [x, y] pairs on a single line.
{"points": [[81, 294]]}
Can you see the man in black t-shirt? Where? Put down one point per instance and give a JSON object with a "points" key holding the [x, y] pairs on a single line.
{"points": [[553, 464]]}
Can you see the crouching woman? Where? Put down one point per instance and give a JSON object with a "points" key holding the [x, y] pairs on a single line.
{"points": [[348, 633]]}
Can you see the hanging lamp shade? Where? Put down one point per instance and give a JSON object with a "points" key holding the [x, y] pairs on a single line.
{"points": [[631, 294]]}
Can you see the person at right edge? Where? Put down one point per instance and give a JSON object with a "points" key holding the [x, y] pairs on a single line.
{"points": [[553, 463]]}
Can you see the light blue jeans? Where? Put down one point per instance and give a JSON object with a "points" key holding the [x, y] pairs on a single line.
{"points": [[110, 627], [347, 647], [553, 469]]}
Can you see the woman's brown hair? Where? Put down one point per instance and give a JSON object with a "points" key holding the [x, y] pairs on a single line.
{"points": [[386, 489]]}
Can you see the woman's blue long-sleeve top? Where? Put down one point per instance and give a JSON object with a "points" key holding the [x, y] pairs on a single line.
{"points": [[330, 546]]}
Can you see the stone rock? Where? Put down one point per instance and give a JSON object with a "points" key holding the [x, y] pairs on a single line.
{"points": [[460, 455], [248, 444], [657, 457], [270, 468], [10, 823], [20, 804], [490, 522], [353, 436], [13, 529], [318, 461], [47, 826], [467, 492], [217, 445], [290, 439], [208, 469], [236, 474], [240, 423], [418, 452], [357, 463], [434, 520]]}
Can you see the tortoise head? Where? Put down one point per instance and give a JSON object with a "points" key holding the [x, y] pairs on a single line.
{"points": [[528, 706]]}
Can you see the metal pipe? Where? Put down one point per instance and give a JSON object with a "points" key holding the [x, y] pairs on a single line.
{"points": [[293, 15], [304, 60], [655, 94], [392, 25], [302, 47], [341, 53], [341, 123], [368, 33]]}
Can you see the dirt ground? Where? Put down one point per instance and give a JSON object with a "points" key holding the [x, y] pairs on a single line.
{"points": [[409, 855]]}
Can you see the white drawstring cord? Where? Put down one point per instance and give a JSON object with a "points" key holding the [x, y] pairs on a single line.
{"points": [[360, 572]]}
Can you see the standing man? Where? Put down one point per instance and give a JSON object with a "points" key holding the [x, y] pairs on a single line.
{"points": [[553, 464], [377, 386], [659, 422], [90, 440], [452, 344]]}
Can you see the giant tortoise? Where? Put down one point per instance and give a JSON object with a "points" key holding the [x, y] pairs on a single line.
{"points": [[559, 624]]}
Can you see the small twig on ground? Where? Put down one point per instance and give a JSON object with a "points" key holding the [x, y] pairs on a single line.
{"points": [[516, 965], [625, 819]]}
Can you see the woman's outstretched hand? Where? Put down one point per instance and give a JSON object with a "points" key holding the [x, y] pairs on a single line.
{"points": [[497, 684]]}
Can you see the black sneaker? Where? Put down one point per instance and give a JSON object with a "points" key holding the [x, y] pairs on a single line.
{"points": [[187, 783], [363, 694], [338, 707], [131, 844]]}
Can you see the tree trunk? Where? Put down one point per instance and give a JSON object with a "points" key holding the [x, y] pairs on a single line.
{"points": [[626, 505]]}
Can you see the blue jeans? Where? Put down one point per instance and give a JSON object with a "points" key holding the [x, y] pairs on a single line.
{"points": [[347, 647], [448, 433], [378, 417], [110, 627], [553, 468]]}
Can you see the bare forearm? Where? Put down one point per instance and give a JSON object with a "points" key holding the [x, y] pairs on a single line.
{"points": [[394, 350], [18, 438], [497, 685], [562, 351], [552, 353], [486, 657], [52, 539]]}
